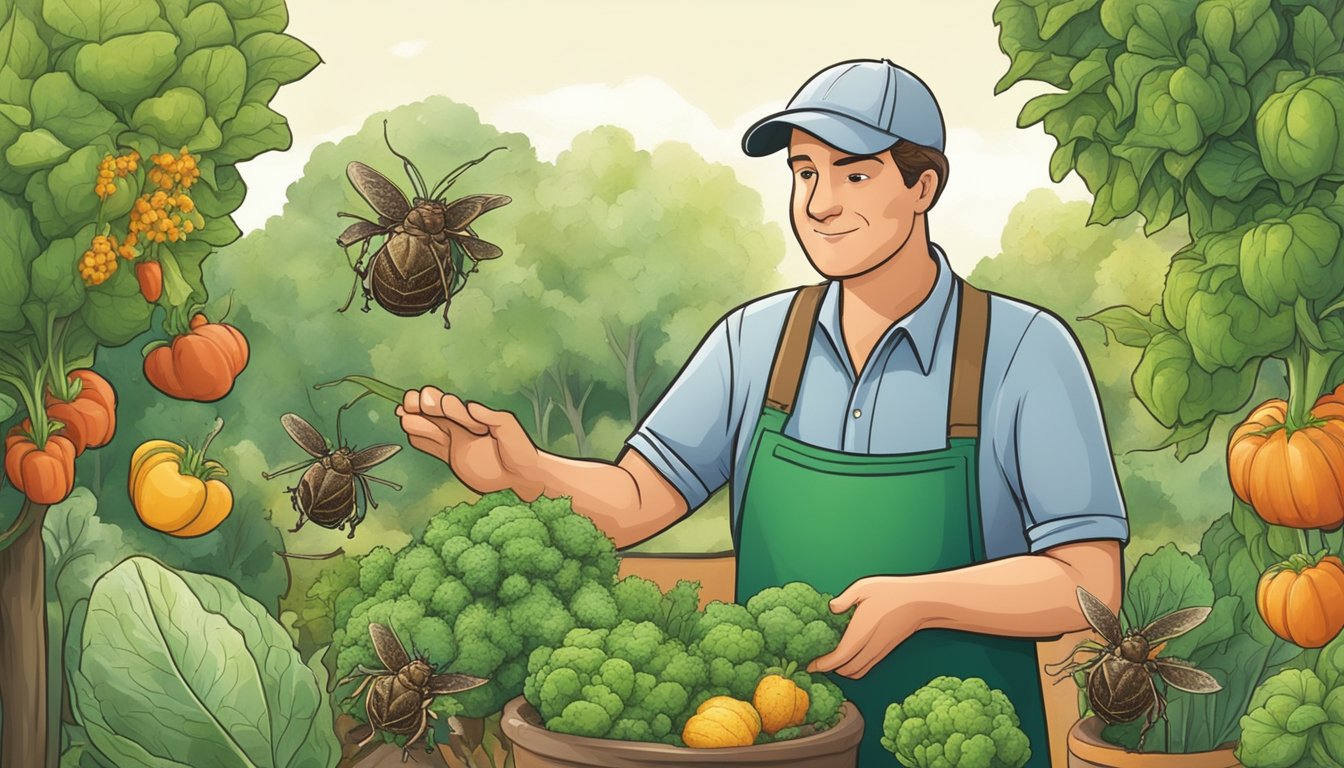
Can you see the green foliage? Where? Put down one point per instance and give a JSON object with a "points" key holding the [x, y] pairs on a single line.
{"points": [[1228, 114], [208, 654], [956, 723]]}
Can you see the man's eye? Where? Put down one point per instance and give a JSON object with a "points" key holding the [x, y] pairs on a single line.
{"points": [[805, 174], [857, 177]]}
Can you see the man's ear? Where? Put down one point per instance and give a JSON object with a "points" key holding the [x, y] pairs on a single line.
{"points": [[927, 186]]}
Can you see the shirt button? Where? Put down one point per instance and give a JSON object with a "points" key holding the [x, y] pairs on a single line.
{"points": [[857, 413]]}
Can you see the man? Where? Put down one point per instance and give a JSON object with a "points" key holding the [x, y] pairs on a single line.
{"points": [[934, 454]]}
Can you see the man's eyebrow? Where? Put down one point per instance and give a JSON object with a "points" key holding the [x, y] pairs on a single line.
{"points": [[857, 159], [796, 158]]}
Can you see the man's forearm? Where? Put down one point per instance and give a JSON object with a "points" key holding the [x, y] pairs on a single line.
{"points": [[608, 494], [1023, 596]]}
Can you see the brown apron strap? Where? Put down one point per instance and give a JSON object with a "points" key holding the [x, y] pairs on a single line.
{"points": [[787, 372], [963, 417]]}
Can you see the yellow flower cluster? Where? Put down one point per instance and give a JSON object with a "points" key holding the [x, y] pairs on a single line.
{"points": [[99, 261], [114, 167], [159, 218], [169, 171]]}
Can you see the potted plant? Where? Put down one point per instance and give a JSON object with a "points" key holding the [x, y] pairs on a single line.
{"points": [[1227, 118]]}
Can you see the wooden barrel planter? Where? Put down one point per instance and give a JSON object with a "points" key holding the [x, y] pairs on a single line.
{"points": [[536, 747], [1088, 750]]}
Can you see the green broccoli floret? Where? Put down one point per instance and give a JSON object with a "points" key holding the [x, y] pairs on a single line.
{"points": [[519, 555], [582, 718], [626, 729], [638, 599], [635, 642], [557, 690], [567, 578], [485, 527], [605, 698], [816, 639], [523, 527], [480, 570], [576, 536], [411, 561], [375, 568], [955, 723], [540, 617], [583, 637], [732, 642], [585, 661], [680, 610], [739, 680], [779, 626], [593, 606], [513, 588], [686, 668], [449, 599], [549, 510], [451, 553], [717, 613], [432, 637], [618, 675], [824, 700]]}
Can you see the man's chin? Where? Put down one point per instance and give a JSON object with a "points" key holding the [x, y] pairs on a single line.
{"points": [[836, 269]]}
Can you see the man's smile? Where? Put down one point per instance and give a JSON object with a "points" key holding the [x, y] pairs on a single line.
{"points": [[829, 235]]}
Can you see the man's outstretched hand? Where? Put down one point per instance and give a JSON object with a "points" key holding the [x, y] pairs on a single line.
{"points": [[487, 449]]}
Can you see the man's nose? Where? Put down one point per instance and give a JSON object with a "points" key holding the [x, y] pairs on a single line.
{"points": [[823, 204]]}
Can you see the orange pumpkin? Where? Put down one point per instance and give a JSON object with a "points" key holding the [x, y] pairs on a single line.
{"points": [[45, 475], [90, 419], [1293, 480], [1302, 600], [201, 364]]}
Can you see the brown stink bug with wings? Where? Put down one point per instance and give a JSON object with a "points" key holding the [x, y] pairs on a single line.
{"points": [[1120, 674], [400, 694], [427, 241]]}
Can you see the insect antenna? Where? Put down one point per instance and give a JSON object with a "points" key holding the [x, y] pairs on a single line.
{"points": [[417, 180], [340, 441], [448, 180]]}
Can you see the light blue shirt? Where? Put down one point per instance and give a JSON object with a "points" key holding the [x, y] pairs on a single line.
{"points": [[1045, 467]]}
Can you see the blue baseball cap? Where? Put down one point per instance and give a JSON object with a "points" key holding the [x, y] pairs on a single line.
{"points": [[861, 107]]}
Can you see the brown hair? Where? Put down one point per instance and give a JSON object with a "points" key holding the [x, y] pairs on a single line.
{"points": [[914, 159]]}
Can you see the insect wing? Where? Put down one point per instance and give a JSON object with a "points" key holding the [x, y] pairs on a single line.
{"points": [[1186, 677], [304, 434], [462, 212], [1174, 623], [452, 682], [359, 231], [373, 456], [1100, 617], [378, 191], [478, 249], [389, 649]]}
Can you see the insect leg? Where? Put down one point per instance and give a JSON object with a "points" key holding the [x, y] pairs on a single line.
{"points": [[447, 288], [362, 685], [388, 483], [287, 470], [1151, 715], [359, 273]]}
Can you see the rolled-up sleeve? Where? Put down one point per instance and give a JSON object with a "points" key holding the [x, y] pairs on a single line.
{"points": [[1055, 456], [687, 436]]}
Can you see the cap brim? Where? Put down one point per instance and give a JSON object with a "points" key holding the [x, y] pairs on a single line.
{"points": [[840, 131]]}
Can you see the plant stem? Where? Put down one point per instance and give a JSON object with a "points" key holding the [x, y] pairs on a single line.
{"points": [[1297, 375], [1302, 541]]}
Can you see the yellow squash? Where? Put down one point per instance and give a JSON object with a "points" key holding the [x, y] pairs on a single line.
{"points": [[717, 727], [174, 489], [781, 702]]}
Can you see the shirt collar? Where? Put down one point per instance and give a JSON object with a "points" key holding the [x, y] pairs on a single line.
{"points": [[922, 327]]}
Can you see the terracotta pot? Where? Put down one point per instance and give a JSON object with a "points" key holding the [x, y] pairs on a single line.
{"points": [[1088, 750], [536, 747]]}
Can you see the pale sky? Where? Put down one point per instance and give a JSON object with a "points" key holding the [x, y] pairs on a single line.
{"points": [[697, 71]]}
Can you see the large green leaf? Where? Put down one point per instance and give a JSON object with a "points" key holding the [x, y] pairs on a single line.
{"points": [[206, 25], [1230, 169], [1274, 731], [255, 130], [99, 20], [1126, 324], [282, 58], [127, 69], [224, 677], [253, 16], [55, 274], [115, 311], [223, 198], [1226, 329], [1176, 390], [1313, 40], [73, 116], [1163, 582], [1284, 259], [72, 199], [1130, 70], [172, 118], [1241, 35], [18, 248], [219, 74], [1149, 28], [34, 150], [1298, 131], [24, 53]]}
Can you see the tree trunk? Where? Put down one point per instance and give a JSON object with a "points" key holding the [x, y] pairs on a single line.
{"points": [[573, 409], [627, 354], [541, 415], [23, 646]]}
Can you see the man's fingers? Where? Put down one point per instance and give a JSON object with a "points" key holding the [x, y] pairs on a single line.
{"points": [[433, 448], [856, 637], [846, 600], [415, 425], [864, 662], [504, 422], [427, 401], [452, 407]]}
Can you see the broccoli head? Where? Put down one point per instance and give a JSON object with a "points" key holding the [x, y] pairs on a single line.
{"points": [[956, 723], [638, 599]]}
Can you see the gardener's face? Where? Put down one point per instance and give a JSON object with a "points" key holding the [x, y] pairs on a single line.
{"points": [[851, 212]]}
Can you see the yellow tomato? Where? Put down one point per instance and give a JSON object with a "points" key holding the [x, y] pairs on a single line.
{"points": [[175, 492]]}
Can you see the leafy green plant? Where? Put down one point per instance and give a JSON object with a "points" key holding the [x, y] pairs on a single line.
{"points": [[215, 667], [99, 102]]}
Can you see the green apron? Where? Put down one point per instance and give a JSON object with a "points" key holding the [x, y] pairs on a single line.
{"points": [[830, 518]]}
